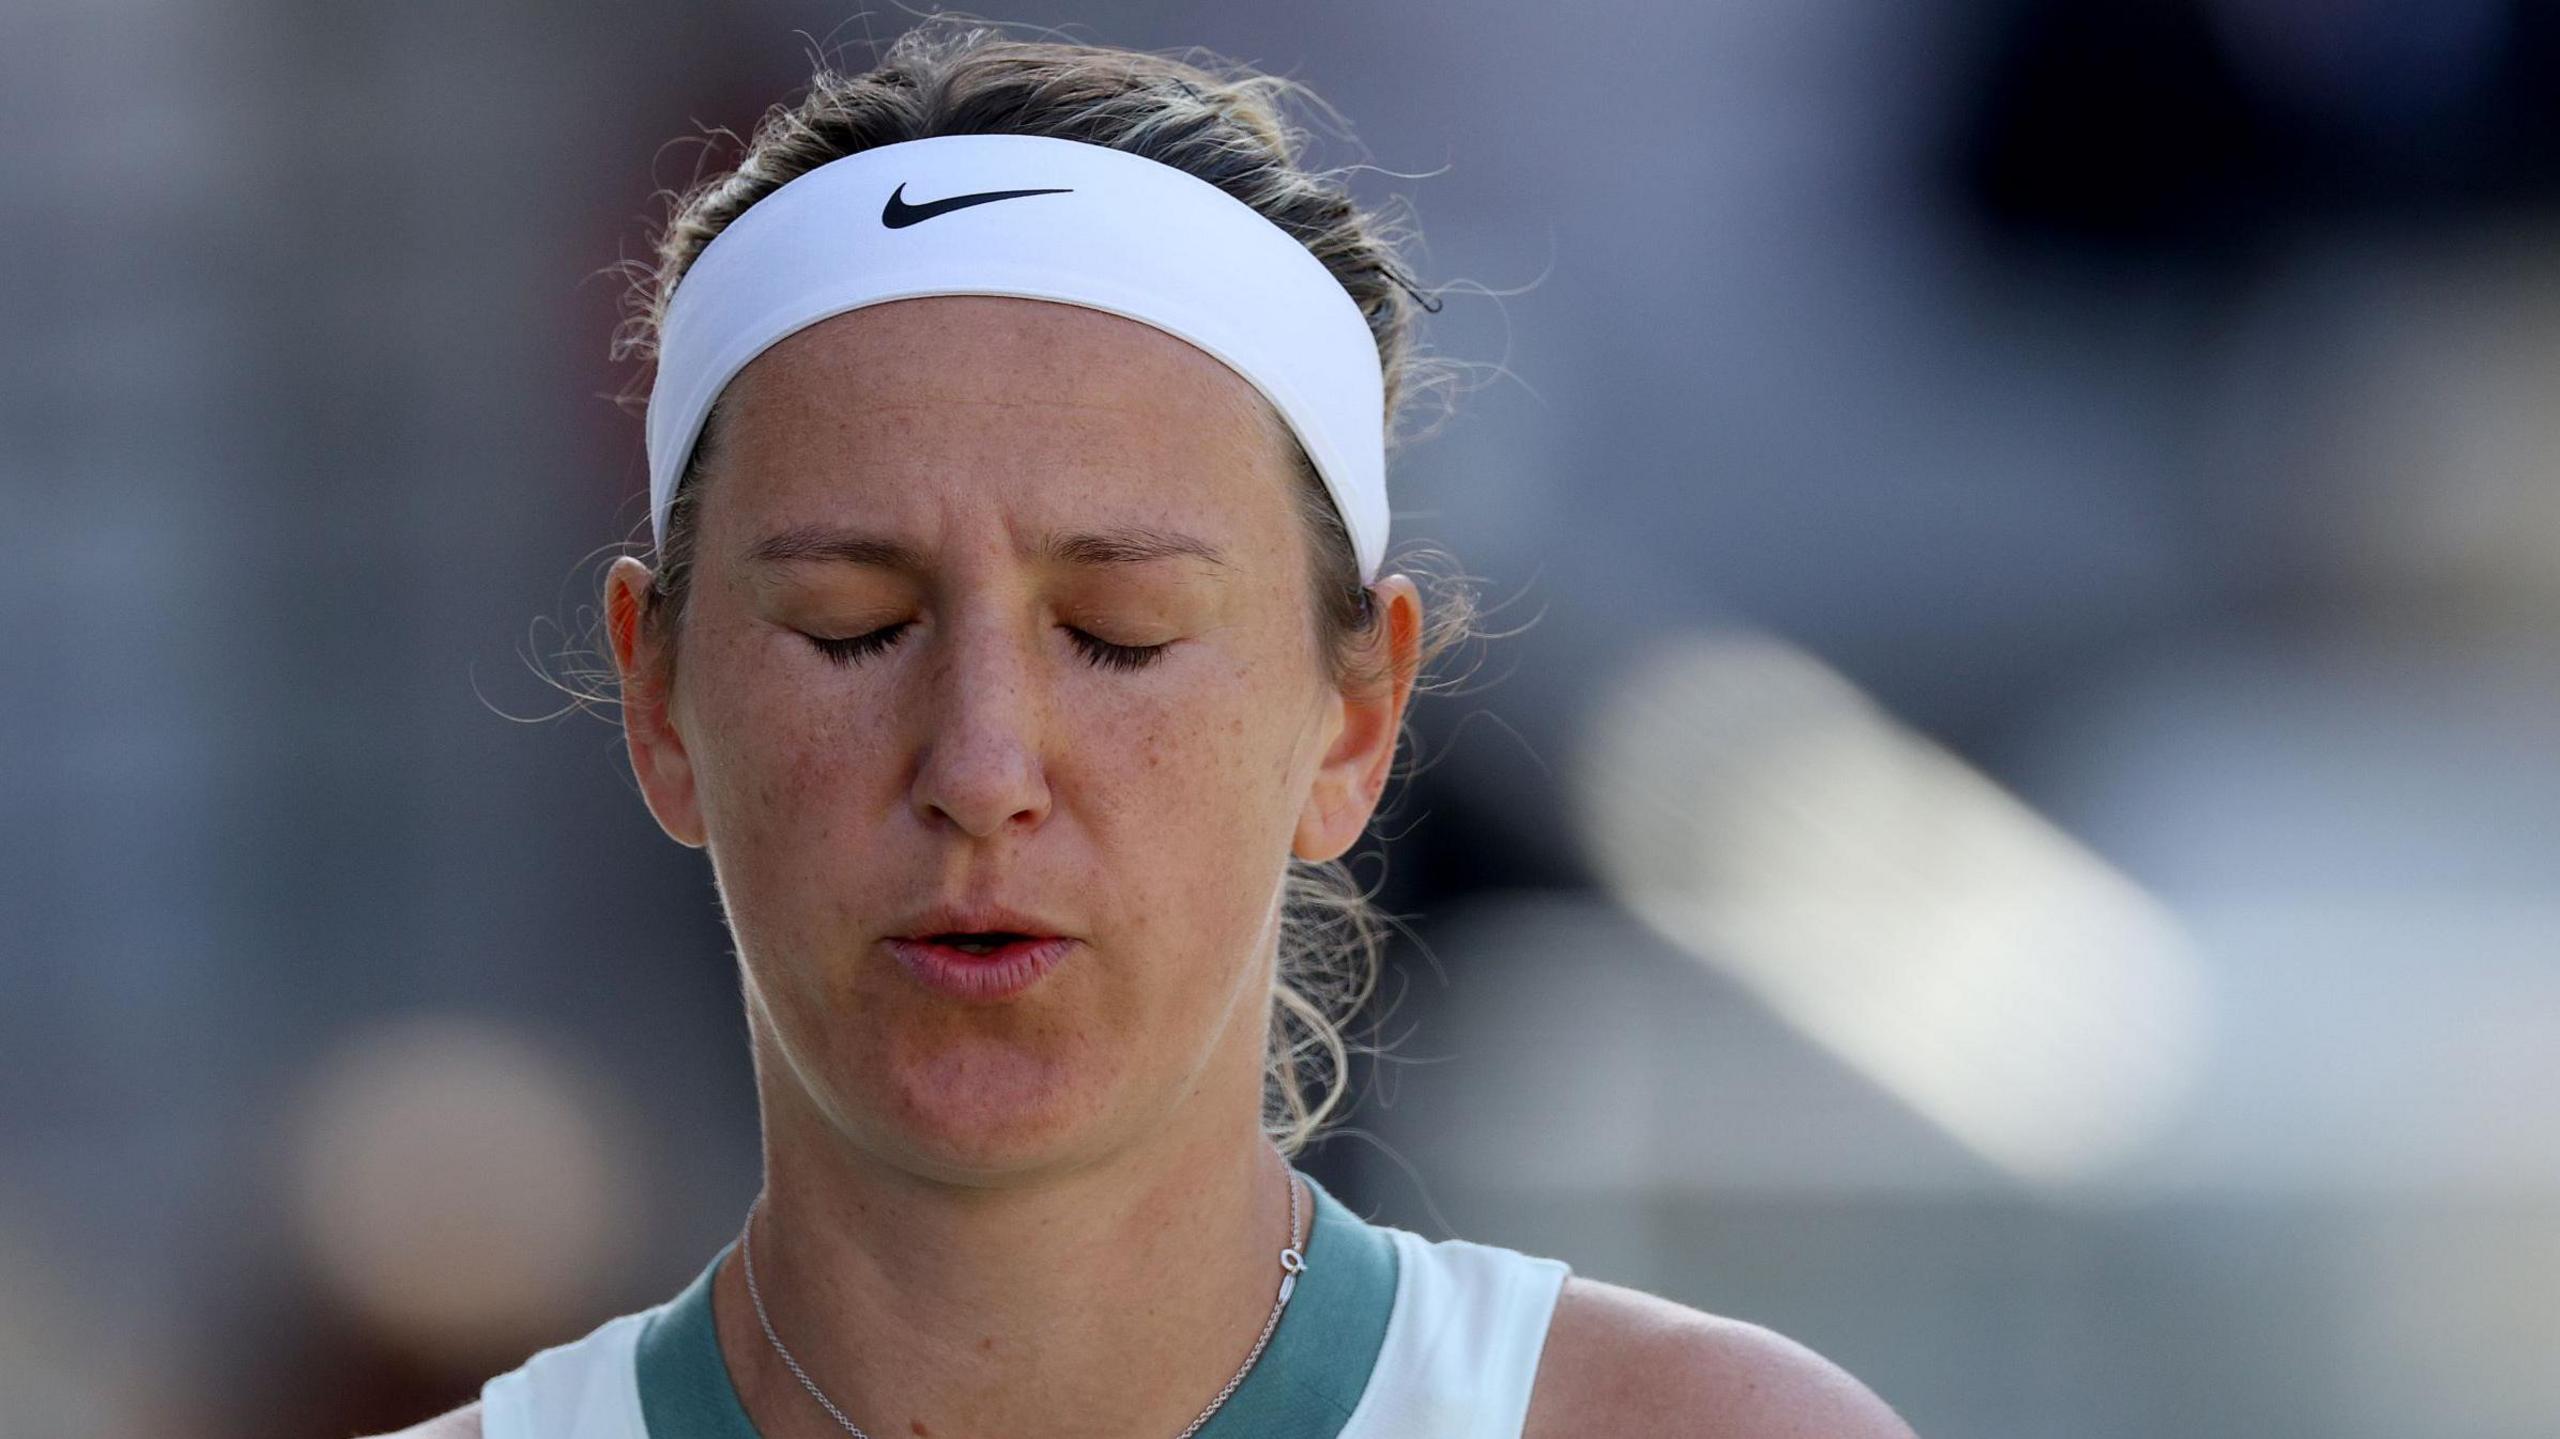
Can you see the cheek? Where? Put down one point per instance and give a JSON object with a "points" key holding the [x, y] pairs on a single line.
{"points": [[1192, 788], [1205, 737], [784, 763]]}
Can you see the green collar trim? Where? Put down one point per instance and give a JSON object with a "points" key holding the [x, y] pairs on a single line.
{"points": [[1308, 1380]]}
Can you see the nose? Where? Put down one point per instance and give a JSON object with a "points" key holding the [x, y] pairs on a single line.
{"points": [[981, 768]]}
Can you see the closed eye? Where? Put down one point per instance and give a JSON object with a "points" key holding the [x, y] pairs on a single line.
{"points": [[1101, 652], [859, 647], [1107, 655]]}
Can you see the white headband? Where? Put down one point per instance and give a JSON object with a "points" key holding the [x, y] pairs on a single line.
{"points": [[1046, 219]]}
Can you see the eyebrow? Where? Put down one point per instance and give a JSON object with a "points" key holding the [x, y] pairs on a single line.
{"points": [[1126, 545]]}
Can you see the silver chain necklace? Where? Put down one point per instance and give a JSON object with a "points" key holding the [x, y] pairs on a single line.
{"points": [[1292, 1264]]}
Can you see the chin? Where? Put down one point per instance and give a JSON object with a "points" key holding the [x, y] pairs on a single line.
{"points": [[976, 1108]]}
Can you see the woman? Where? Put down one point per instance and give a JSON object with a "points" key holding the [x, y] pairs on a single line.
{"points": [[1018, 633]]}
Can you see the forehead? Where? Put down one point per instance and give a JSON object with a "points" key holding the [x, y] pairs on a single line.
{"points": [[1055, 414]]}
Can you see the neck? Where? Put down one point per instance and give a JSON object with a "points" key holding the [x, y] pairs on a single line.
{"points": [[1112, 1300]]}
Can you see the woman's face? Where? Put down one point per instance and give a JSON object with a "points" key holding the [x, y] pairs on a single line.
{"points": [[1078, 680]]}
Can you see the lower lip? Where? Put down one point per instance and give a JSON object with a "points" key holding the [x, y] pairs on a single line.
{"points": [[1000, 973]]}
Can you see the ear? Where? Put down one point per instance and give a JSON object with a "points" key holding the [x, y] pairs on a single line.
{"points": [[1361, 730], [658, 755]]}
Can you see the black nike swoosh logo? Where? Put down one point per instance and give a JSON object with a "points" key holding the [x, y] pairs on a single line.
{"points": [[898, 214]]}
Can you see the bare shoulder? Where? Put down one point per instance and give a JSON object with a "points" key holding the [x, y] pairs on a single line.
{"points": [[462, 1423], [1623, 1362]]}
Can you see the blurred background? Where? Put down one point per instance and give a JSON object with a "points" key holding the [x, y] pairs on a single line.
{"points": [[2020, 843]]}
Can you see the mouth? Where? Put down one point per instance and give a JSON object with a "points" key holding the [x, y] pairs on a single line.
{"points": [[981, 942], [980, 965]]}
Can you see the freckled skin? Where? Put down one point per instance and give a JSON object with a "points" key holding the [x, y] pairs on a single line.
{"points": [[1053, 1214], [1149, 812]]}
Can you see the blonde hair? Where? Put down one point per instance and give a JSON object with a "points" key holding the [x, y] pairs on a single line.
{"points": [[1223, 122]]}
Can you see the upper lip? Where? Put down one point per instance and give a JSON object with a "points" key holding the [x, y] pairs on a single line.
{"points": [[976, 919]]}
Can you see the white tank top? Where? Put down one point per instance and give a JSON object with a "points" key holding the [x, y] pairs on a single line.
{"points": [[1456, 1361]]}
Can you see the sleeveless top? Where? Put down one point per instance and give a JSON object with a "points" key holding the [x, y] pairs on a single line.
{"points": [[1387, 1336]]}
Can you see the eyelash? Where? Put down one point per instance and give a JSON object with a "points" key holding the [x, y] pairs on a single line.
{"points": [[855, 648], [1102, 653]]}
